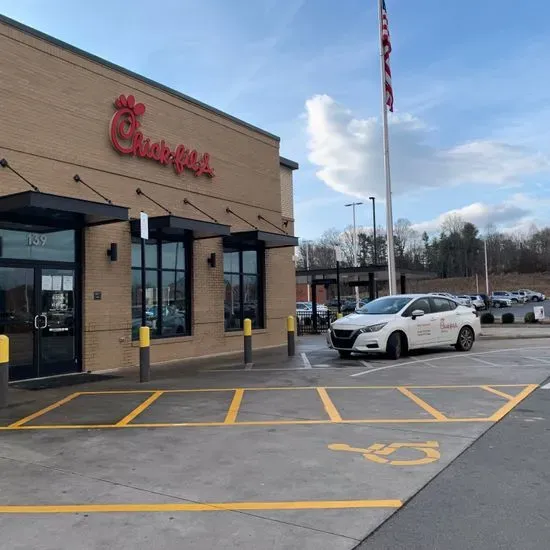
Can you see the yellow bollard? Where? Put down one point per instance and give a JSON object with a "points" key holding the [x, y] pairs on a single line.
{"points": [[4, 369], [291, 336], [247, 329], [144, 353], [339, 315]]}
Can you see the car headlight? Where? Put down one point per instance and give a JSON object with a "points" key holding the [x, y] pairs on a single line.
{"points": [[373, 328]]}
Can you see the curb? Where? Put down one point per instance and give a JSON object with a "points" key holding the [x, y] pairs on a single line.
{"points": [[513, 337]]}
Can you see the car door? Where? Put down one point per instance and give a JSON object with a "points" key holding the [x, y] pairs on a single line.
{"points": [[421, 331], [446, 314]]}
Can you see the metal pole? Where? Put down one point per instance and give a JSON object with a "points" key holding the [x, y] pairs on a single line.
{"points": [[4, 369], [143, 284], [486, 268], [338, 285], [247, 331], [389, 213], [144, 354], [355, 254], [354, 243], [375, 255], [307, 272], [291, 340]]}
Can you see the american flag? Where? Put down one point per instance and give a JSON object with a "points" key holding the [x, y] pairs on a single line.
{"points": [[386, 48]]}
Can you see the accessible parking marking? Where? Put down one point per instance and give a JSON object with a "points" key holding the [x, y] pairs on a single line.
{"points": [[308, 405]]}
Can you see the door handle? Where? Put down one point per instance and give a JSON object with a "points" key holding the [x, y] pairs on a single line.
{"points": [[45, 320], [36, 321]]}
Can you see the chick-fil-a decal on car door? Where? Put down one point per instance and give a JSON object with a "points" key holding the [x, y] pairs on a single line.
{"points": [[127, 139]]}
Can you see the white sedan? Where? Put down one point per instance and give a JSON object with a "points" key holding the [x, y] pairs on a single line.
{"points": [[397, 324]]}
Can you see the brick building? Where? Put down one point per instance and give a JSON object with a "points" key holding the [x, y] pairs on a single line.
{"points": [[85, 147]]}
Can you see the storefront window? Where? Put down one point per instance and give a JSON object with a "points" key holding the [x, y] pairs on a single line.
{"points": [[57, 246], [243, 288], [166, 293]]}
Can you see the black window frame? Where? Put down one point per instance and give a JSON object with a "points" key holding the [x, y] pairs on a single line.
{"points": [[260, 274], [159, 238]]}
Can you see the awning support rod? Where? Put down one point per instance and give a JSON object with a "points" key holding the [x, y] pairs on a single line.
{"points": [[185, 201], [78, 179], [4, 164], [260, 217], [140, 192], [229, 211]]}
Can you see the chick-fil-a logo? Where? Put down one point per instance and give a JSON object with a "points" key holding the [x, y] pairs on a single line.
{"points": [[128, 140], [447, 326]]}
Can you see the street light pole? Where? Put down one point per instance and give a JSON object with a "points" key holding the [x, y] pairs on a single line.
{"points": [[375, 255], [355, 254], [486, 267], [307, 272]]}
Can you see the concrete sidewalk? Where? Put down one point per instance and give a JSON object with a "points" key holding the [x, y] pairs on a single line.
{"points": [[495, 496]]}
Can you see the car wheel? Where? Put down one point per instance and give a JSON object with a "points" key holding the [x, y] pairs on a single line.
{"points": [[394, 348], [344, 354], [536, 299], [465, 339]]}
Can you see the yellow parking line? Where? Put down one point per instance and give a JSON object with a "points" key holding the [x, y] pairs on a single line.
{"points": [[199, 507], [234, 407], [138, 410], [332, 411], [421, 403], [44, 411], [292, 388], [503, 411], [247, 423], [497, 392]]}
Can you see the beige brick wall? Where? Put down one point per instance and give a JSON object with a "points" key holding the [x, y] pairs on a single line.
{"points": [[56, 109], [287, 193]]}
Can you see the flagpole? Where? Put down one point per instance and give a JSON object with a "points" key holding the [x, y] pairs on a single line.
{"points": [[389, 213]]}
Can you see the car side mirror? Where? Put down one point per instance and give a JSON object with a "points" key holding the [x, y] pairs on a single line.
{"points": [[417, 313]]}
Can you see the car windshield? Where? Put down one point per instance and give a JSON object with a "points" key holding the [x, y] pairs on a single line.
{"points": [[389, 305]]}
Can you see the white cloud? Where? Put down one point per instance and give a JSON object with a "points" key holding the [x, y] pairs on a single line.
{"points": [[479, 214], [348, 152], [515, 214]]}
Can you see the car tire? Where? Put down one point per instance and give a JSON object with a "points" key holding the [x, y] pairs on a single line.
{"points": [[395, 345], [465, 339], [536, 299], [344, 354]]}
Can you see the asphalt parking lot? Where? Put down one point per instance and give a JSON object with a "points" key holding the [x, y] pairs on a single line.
{"points": [[315, 452]]}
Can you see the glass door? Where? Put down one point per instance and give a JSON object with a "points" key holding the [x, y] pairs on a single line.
{"points": [[55, 344], [17, 317]]}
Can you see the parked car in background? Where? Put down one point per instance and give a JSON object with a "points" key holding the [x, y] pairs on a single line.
{"points": [[478, 302], [505, 294], [397, 324], [533, 295], [351, 305], [444, 294], [464, 300], [500, 301], [518, 297]]}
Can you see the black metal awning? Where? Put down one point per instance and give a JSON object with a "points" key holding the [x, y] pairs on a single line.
{"points": [[44, 212], [270, 240], [176, 226]]}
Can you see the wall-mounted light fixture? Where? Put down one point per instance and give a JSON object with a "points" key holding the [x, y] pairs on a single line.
{"points": [[112, 252], [212, 260]]}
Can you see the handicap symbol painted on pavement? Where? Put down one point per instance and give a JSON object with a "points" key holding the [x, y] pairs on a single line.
{"points": [[378, 452]]}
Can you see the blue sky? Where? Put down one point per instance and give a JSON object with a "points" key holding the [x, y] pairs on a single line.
{"points": [[471, 128]]}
